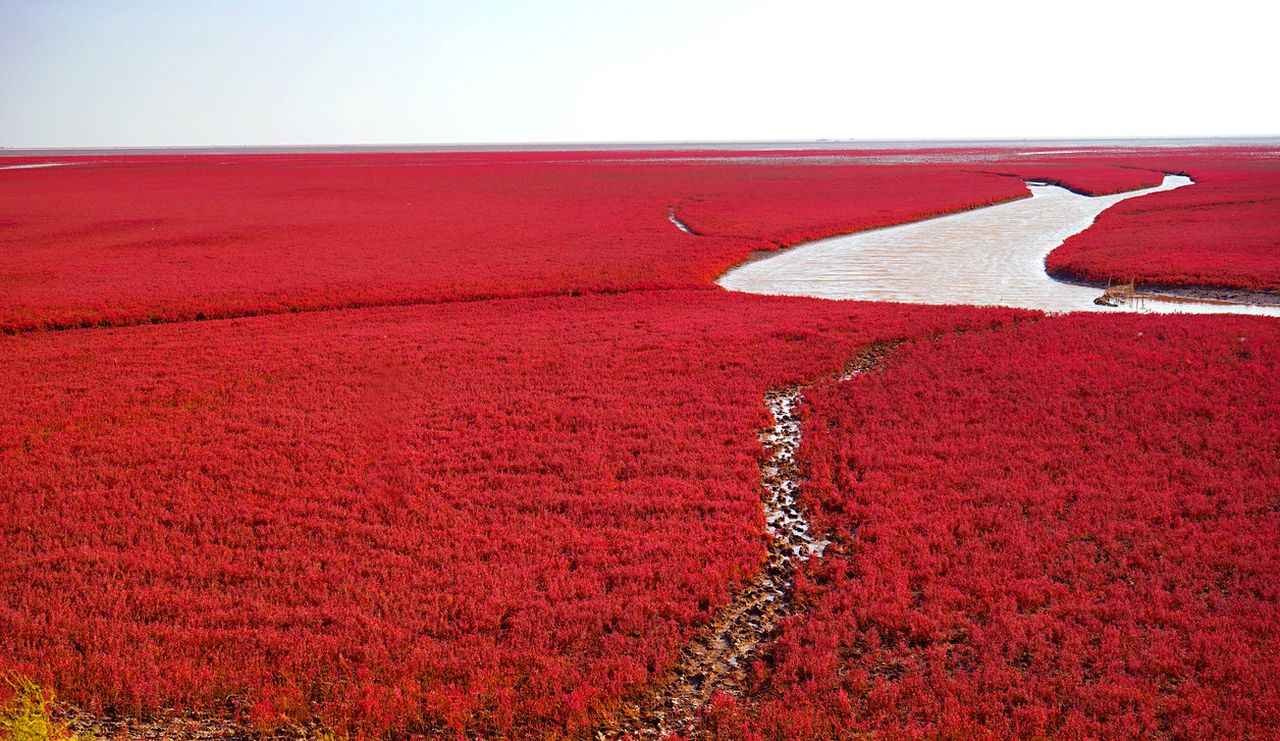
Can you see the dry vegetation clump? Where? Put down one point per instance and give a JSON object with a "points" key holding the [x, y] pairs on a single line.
{"points": [[28, 712]]}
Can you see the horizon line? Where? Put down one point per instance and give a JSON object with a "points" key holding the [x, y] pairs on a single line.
{"points": [[640, 145]]}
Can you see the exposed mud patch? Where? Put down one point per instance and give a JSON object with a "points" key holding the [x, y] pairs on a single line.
{"points": [[186, 726], [990, 256], [192, 728], [718, 660], [1195, 294], [671, 216]]}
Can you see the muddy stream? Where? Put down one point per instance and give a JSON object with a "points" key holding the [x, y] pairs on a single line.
{"points": [[991, 256], [719, 658]]}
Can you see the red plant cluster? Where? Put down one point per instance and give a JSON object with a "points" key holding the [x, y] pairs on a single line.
{"points": [[493, 517], [1090, 177], [1224, 231], [778, 203], [137, 240], [1066, 528]]}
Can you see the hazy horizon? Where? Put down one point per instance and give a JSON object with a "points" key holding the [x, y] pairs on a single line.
{"points": [[799, 145]]}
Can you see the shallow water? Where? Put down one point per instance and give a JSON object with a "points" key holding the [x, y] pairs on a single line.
{"points": [[34, 166], [991, 256]]}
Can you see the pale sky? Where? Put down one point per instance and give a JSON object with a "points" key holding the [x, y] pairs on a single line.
{"points": [[175, 73]]}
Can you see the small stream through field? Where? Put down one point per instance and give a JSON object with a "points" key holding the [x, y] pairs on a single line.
{"points": [[718, 659]]}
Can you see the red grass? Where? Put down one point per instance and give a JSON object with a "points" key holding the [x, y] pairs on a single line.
{"points": [[492, 517], [499, 517], [789, 205], [134, 240], [1091, 177], [1066, 528], [1222, 231]]}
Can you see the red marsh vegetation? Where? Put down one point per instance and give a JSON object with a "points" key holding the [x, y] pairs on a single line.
{"points": [[1065, 528], [505, 515], [1089, 178], [137, 240], [1222, 232], [492, 517]]}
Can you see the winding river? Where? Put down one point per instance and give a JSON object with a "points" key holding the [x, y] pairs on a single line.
{"points": [[991, 256]]}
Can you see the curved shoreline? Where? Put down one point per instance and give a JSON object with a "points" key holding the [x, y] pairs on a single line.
{"points": [[1197, 293], [990, 256]]}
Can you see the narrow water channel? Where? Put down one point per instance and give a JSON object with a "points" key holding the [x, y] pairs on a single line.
{"points": [[34, 166]]}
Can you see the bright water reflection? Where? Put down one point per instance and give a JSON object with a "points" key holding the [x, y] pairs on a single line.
{"points": [[988, 257]]}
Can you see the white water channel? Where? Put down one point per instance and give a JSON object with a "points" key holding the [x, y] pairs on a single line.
{"points": [[991, 256], [35, 166]]}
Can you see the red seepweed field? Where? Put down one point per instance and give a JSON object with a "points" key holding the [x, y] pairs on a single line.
{"points": [[137, 240], [493, 516], [465, 444], [1063, 528], [1223, 233]]}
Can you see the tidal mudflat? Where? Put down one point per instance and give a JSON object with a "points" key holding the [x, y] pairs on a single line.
{"points": [[990, 256]]}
